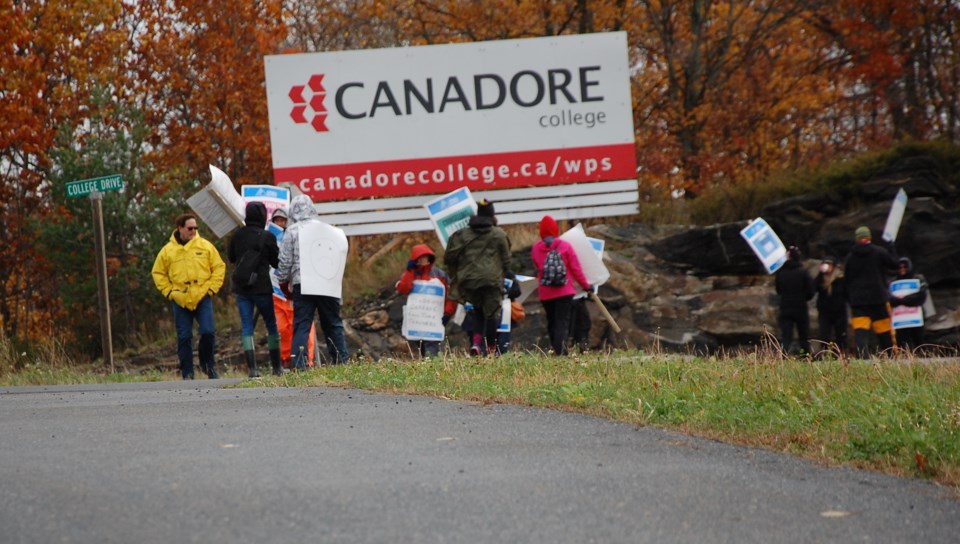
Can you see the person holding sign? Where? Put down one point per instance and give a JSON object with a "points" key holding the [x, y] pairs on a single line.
{"points": [[315, 265], [478, 260], [795, 288], [420, 268], [908, 293], [252, 251], [188, 271], [556, 263], [283, 306], [832, 304], [867, 268]]}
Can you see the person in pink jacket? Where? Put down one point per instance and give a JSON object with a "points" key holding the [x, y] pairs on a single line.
{"points": [[557, 300]]}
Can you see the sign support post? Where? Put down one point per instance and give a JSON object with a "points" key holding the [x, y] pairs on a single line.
{"points": [[95, 189], [106, 336]]}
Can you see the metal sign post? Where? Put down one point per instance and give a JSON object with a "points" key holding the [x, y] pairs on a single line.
{"points": [[95, 188], [96, 198]]}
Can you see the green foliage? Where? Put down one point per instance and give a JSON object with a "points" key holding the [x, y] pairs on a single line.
{"points": [[137, 222]]}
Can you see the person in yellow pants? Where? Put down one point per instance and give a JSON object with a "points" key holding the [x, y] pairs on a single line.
{"points": [[867, 268]]}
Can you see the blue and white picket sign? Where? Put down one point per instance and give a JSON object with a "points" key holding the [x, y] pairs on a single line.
{"points": [[905, 317], [273, 197], [451, 212], [765, 244], [423, 312]]}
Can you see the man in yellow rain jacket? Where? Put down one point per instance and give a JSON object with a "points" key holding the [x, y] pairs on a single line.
{"points": [[188, 272]]}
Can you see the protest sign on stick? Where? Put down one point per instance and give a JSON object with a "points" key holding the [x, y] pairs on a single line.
{"points": [[423, 312], [895, 217], [451, 212], [765, 244], [218, 204]]}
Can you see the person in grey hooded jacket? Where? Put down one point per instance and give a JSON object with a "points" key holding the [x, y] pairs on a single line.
{"points": [[301, 213]]}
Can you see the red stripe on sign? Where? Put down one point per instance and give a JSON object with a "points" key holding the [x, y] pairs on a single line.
{"points": [[440, 175]]}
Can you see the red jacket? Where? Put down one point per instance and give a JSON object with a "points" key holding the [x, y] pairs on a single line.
{"points": [[425, 273]]}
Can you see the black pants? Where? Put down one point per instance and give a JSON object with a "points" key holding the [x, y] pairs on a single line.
{"points": [[557, 311], [799, 319], [833, 328]]}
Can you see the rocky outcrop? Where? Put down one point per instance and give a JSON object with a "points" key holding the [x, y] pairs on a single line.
{"points": [[701, 289]]}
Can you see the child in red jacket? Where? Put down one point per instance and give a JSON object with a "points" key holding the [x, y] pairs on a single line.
{"points": [[420, 267]]}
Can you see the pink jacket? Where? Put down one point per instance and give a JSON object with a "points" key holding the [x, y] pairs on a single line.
{"points": [[570, 260]]}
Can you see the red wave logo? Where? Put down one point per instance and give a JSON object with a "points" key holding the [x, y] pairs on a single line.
{"points": [[308, 102]]}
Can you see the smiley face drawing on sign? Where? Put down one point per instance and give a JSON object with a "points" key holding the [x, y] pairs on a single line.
{"points": [[323, 255], [326, 258]]}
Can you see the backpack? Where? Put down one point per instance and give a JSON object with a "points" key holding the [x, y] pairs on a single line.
{"points": [[554, 271], [245, 274]]}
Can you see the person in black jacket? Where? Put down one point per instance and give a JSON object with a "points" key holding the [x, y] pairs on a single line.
{"points": [[832, 305], [866, 269], [795, 288], [253, 250], [909, 337]]}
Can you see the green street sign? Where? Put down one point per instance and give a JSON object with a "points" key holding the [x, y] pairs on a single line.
{"points": [[86, 186]]}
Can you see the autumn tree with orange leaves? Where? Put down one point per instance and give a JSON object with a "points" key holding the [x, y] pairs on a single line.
{"points": [[723, 92]]}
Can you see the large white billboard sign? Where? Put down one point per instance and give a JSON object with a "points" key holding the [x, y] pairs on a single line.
{"points": [[428, 120]]}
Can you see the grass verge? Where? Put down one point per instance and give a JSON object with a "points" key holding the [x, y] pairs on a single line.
{"points": [[895, 416]]}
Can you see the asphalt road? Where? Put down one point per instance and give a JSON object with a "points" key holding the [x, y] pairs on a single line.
{"points": [[192, 462]]}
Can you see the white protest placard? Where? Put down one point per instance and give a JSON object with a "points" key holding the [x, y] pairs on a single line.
{"points": [[271, 196], [528, 284], [765, 244], [904, 317], [423, 312], [451, 212], [323, 258], [505, 315], [597, 245], [590, 261], [895, 217], [218, 204]]}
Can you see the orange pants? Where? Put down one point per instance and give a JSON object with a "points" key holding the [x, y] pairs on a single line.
{"points": [[284, 311]]}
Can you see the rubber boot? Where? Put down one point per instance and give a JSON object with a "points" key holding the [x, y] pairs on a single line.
{"points": [[476, 344], [250, 356], [206, 348], [273, 344]]}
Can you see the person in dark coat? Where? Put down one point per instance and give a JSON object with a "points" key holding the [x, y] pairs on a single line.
{"points": [[478, 259], [254, 242], [795, 288], [832, 304], [909, 338], [866, 270]]}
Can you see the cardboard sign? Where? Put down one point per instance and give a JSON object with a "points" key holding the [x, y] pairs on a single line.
{"points": [[323, 258], [423, 312], [765, 244], [218, 204], [590, 259], [451, 212], [895, 216], [904, 317]]}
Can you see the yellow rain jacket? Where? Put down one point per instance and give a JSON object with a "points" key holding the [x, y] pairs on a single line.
{"points": [[185, 273]]}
